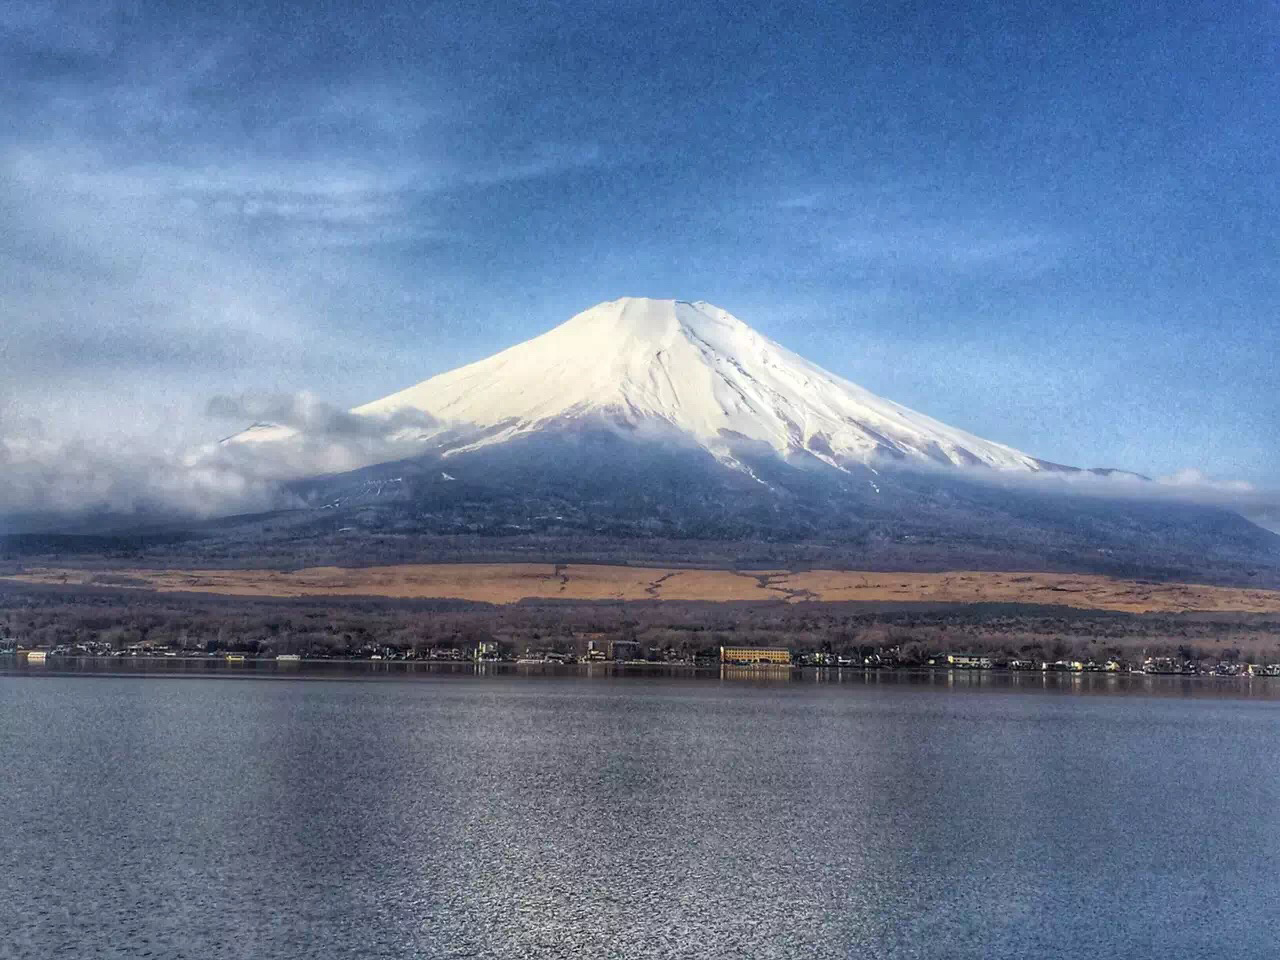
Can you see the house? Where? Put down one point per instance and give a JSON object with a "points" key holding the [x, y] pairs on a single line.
{"points": [[969, 661], [1063, 666]]}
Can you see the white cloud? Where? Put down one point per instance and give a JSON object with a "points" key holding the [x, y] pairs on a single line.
{"points": [[1192, 478], [43, 473], [38, 474], [306, 414]]}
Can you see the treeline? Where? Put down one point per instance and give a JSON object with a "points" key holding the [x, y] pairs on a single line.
{"points": [[346, 627]]}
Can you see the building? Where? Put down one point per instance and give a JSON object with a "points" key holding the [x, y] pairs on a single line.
{"points": [[626, 650], [755, 655], [969, 661]]}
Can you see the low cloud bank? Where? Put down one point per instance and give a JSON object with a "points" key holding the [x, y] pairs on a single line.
{"points": [[294, 436], [39, 475], [1189, 485]]}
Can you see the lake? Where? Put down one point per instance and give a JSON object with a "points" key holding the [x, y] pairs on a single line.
{"points": [[568, 814]]}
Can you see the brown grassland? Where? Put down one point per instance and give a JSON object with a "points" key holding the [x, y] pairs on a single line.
{"points": [[508, 583]]}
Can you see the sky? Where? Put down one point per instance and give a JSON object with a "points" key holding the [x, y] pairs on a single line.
{"points": [[1056, 228]]}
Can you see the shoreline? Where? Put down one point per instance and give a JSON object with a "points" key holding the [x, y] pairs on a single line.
{"points": [[938, 678]]}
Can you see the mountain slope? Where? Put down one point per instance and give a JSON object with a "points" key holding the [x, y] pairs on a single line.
{"points": [[589, 480], [648, 421], [694, 368]]}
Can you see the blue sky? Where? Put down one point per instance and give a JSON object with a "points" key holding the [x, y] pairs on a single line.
{"points": [[1055, 228]]}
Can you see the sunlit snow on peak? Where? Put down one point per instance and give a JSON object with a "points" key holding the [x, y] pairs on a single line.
{"points": [[696, 368]]}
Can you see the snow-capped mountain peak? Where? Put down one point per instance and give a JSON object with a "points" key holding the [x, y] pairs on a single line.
{"points": [[695, 368]]}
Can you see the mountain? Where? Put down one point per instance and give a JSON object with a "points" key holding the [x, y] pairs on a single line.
{"points": [[699, 371], [668, 431], [647, 421]]}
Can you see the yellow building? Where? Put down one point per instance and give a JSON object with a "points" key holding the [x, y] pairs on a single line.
{"points": [[755, 655]]}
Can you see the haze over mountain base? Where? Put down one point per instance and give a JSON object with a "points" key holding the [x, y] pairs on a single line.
{"points": [[591, 505]]}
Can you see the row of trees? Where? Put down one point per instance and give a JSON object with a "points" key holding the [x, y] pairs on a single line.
{"points": [[669, 630]]}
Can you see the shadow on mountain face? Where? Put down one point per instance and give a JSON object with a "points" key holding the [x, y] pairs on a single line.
{"points": [[602, 482]]}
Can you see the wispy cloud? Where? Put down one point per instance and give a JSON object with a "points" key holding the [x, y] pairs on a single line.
{"points": [[1196, 480], [958, 245], [306, 414], [903, 225], [178, 213], [804, 200], [93, 201], [1190, 486]]}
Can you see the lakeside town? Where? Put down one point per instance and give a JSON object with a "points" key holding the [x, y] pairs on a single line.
{"points": [[628, 653]]}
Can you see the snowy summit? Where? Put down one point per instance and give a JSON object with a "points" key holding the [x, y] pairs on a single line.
{"points": [[695, 368]]}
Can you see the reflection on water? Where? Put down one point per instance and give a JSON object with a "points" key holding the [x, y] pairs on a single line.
{"points": [[1022, 681], [506, 813], [1248, 687]]}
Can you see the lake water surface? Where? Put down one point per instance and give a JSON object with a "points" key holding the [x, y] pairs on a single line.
{"points": [[547, 815]]}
